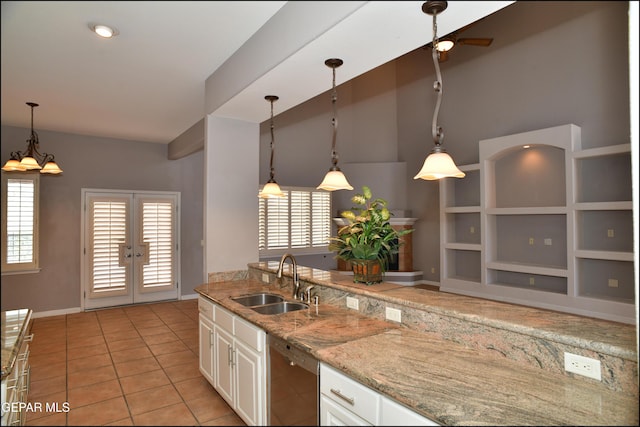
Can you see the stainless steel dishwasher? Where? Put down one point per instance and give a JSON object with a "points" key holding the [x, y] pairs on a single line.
{"points": [[294, 385]]}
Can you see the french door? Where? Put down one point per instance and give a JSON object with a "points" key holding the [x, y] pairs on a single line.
{"points": [[130, 247]]}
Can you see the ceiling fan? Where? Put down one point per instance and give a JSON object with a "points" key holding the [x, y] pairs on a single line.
{"points": [[451, 40]]}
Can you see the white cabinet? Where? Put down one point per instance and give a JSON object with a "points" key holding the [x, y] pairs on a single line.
{"points": [[15, 387], [206, 340], [344, 401], [240, 366], [541, 222]]}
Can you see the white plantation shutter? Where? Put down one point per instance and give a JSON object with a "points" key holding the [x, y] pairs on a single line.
{"points": [[300, 222], [158, 243], [321, 219], [108, 246], [300, 219], [20, 222], [131, 252]]}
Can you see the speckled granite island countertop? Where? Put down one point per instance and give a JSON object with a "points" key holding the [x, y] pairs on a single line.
{"points": [[15, 325], [444, 380]]}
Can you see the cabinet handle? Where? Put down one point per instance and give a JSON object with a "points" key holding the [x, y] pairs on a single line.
{"points": [[231, 362], [210, 338], [349, 400]]}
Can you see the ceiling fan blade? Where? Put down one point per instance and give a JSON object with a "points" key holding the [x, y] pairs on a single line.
{"points": [[475, 41]]}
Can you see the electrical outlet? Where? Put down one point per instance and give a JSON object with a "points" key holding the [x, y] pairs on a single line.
{"points": [[265, 277], [532, 281], [472, 230], [531, 240], [613, 283], [433, 270], [547, 242], [610, 232], [393, 314], [352, 303], [581, 365]]}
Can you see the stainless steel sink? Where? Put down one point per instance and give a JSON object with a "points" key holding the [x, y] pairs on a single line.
{"points": [[258, 299], [279, 307]]}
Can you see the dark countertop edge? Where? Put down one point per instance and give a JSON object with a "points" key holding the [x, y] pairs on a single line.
{"points": [[551, 335]]}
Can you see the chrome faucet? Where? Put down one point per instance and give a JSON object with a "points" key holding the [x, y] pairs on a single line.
{"points": [[294, 265]]}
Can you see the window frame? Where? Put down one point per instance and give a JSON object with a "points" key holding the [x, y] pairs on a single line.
{"points": [[34, 265], [313, 231]]}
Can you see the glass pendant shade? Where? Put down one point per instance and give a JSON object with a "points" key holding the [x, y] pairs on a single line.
{"points": [[439, 165], [271, 189], [51, 168], [12, 165], [334, 180], [29, 163]]}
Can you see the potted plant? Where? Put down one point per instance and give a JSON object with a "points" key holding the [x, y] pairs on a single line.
{"points": [[368, 240]]}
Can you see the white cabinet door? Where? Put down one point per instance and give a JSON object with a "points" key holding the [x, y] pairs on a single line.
{"points": [[394, 414], [206, 352], [223, 373], [249, 397], [332, 414], [239, 364]]}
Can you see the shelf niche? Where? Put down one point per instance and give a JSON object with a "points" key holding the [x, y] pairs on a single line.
{"points": [[554, 224]]}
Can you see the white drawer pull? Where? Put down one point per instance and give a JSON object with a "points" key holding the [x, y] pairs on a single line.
{"points": [[349, 400]]}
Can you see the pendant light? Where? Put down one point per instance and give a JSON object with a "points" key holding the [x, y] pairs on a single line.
{"points": [[438, 163], [31, 159], [271, 188], [334, 179]]}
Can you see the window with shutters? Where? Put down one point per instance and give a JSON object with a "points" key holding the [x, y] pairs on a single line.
{"points": [[299, 222], [20, 194]]}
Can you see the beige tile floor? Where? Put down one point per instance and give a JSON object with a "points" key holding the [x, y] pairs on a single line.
{"points": [[133, 365]]}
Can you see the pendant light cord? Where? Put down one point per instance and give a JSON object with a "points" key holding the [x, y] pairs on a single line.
{"points": [[271, 126], [436, 131], [334, 121]]}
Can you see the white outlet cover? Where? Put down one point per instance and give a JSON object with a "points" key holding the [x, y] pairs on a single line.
{"points": [[582, 365], [352, 303], [393, 314]]}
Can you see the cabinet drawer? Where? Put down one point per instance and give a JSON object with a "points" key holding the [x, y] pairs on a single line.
{"points": [[349, 394], [249, 334], [206, 308], [224, 319]]}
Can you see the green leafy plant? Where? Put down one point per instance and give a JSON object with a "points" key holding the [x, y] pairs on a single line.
{"points": [[368, 234]]}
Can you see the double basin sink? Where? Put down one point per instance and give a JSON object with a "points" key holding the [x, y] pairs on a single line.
{"points": [[266, 303]]}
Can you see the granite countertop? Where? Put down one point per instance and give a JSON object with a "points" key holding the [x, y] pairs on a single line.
{"points": [[445, 381], [15, 324]]}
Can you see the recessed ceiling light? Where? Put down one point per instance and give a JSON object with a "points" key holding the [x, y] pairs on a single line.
{"points": [[104, 31]]}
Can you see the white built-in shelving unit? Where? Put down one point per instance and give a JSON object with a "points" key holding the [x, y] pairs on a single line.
{"points": [[541, 222]]}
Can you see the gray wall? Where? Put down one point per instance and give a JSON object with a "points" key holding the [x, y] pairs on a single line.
{"points": [[551, 63], [91, 162]]}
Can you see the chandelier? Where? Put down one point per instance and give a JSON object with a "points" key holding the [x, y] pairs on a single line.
{"points": [[31, 159]]}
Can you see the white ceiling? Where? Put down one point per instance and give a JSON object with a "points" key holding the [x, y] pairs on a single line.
{"points": [[148, 83]]}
